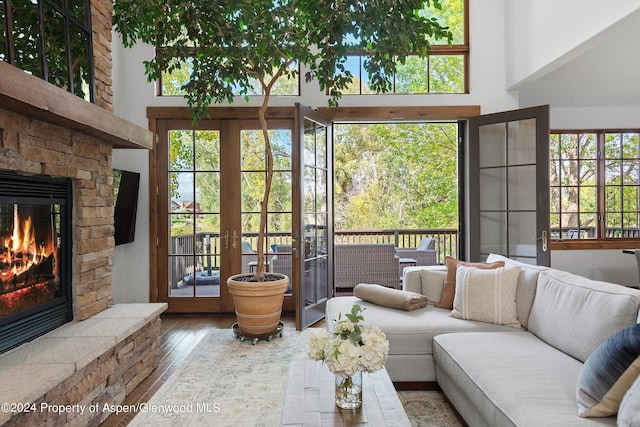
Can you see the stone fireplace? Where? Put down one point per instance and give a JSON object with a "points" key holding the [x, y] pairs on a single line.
{"points": [[106, 350]]}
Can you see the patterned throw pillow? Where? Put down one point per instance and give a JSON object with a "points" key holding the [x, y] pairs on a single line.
{"points": [[609, 373], [487, 295], [449, 289]]}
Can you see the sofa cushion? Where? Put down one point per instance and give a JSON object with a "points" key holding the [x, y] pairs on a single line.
{"points": [[449, 289], [509, 379], [432, 282], [527, 284], [629, 413], [387, 297], [568, 309], [486, 295], [410, 333], [608, 373]]}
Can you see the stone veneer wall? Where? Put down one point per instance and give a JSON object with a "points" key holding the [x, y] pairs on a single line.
{"points": [[101, 21], [34, 147]]}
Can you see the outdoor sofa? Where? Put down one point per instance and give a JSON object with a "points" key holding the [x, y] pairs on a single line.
{"points": [[356, 263], [500, 375]]}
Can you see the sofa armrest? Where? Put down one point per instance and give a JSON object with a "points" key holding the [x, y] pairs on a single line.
{"points": [[414, 281]]}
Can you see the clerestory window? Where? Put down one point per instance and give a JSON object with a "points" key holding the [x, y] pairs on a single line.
{"points": [[444, 70], [50, 39], [595, 185]]}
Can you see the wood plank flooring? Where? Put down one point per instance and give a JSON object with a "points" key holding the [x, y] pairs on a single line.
{"points": [[179, 335]]}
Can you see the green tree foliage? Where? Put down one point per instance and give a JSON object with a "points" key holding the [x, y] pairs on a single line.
{"points": [[396, 176]]}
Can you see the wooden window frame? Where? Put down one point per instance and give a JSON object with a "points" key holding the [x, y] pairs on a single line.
{"points": [[600, 241]]}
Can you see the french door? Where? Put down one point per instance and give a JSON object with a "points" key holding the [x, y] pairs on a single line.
{"points": [[314, 225], [509, 185], [210, 180]]}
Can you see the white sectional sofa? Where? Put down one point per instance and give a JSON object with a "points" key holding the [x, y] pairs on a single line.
{"points": [[498, 375]]}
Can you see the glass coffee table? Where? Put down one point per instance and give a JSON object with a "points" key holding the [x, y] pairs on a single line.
{"points": [[310, 399]]}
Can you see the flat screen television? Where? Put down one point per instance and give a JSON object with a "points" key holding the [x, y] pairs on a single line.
{"points": [[125, 195]]}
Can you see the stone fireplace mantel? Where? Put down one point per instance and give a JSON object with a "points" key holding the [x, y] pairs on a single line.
{"points": [[32, 97]]}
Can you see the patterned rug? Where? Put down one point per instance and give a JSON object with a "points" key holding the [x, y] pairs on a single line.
{"points": [[226, 382]]}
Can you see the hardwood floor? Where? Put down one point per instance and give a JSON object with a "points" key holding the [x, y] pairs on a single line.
{"points": [[179, 335]]}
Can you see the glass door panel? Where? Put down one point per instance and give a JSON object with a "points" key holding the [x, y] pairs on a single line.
{"points": [[194, 213], [315, 225], [253, 167], [509, 194]]}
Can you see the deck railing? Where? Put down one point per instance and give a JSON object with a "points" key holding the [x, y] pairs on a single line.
{"points": [[446, 239], [208, 245]]}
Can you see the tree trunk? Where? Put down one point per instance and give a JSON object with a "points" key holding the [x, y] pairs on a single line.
{"points": [[264, 205]]}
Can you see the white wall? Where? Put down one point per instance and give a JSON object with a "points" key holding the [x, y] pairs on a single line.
{"points": [[545, 34], [131, 260], [560, 53]]}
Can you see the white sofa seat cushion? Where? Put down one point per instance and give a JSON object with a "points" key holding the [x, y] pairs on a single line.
{"points": [[568, 311], [509, 378], [410, 333]]}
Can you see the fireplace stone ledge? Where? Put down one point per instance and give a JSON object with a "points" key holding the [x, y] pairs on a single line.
{"points": [[116, 346]]}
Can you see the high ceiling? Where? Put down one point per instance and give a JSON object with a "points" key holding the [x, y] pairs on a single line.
{"points": [[604, 71]]}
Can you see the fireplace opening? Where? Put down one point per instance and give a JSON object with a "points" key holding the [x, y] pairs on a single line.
{"points": [[35, 257]]}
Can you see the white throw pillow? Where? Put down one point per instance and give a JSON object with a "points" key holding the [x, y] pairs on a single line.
{"points": [[487, 295]]}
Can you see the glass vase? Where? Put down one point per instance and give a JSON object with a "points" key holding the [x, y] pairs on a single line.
{"points": [[349, 391]]}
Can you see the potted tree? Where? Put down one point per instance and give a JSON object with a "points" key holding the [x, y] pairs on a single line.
{"points": [[231, 45]]}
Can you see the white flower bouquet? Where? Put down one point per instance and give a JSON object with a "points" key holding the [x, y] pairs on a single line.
{"points": [[351, 347]]}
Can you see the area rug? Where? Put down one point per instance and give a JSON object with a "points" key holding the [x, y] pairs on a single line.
{"points": [[226, 382]]}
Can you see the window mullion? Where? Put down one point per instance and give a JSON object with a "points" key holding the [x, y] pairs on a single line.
{"points": [[601, 202]]}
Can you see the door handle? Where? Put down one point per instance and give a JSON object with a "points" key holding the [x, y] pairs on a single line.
{"points": [[235, 236], [543, 237], [226, 239]]}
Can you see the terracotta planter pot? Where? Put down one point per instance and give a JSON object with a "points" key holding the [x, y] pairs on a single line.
{"points": [[258, 304]]}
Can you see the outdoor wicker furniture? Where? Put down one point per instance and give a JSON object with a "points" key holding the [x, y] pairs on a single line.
{"points": [[366, 263]]}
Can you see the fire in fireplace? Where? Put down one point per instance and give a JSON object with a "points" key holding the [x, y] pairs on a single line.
{"points": [[35, 253]]}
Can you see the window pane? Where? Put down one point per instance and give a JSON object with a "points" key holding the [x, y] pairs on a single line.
{"points": [[55, 47], [207, 145], [451, 15], [80, 62], [630, 146], [208, 191], [588, 199], [280, 196], [412, 77], [181, 150], [614, 198], [4, 48], [630, 171], [352, 65], [281, 149], [77, 11], [26, 37], [446, 74], [612, 171], [171, 83], [613, 150], [252, 189]]}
